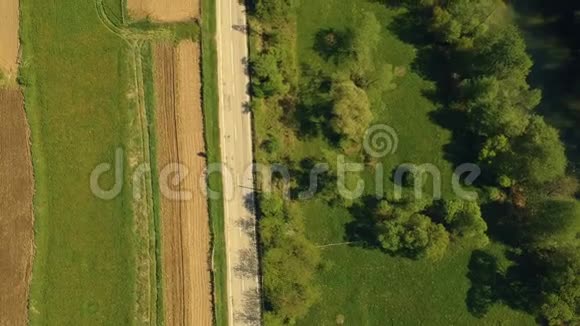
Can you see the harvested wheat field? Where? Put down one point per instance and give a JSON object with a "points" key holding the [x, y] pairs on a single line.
{"points": [[185, 221], [164, 10], [16, 219], [9, 41]]}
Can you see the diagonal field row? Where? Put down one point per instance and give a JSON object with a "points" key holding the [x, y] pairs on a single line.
{"points": [[184, 215]]}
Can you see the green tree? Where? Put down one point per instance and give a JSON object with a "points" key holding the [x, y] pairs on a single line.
{"points": [[492, 109], [289, 263], [351, 111], [503, 54], [412, 234], [267, 79], [493, 147], [274, 11], [423, 238], [438, 242], [390, 234], [289, 272], [553, 223], [560, 285], [464, 220], [460, 22], [538, 155], [557, 311]]}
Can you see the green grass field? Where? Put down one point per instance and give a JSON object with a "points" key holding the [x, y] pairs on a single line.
{"points": [[367, 286], [76, 77]]}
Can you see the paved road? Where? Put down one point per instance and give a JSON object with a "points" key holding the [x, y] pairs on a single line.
{"points": [[236, 146]]}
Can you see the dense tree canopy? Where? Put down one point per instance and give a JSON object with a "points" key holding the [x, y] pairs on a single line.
{"points": [[351, 111], [554, 222], [502, 54], [290, 273], [561, 285], [268, 79], [289, 263], [537, 156], [402, 228], [273, 10], [464, 220], [460, 22], [416, 237]]}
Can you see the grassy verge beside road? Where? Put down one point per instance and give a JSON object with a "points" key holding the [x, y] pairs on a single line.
{"points": [[211, 120]]}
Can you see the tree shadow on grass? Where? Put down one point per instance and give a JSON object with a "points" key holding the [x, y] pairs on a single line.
{"points": [[334, 45], [500, 219], [517, 287], [313, 111], [312, 179], [459, 150], [484, 275], [435, 63], [362, 229]]}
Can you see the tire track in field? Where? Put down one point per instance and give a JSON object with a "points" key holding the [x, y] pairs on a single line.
{"points": [[138, 154]]}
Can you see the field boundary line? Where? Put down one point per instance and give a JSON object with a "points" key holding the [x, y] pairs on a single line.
{"points": [[210, 104]]}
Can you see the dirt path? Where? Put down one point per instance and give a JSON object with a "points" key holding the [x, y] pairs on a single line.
{"points": [[164, 10], [16, 215], [184, 215], [9, 41]]}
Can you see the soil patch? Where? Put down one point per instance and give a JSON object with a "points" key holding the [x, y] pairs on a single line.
{"points": [[16, 214], [184, 213], [9, 23], [164, 10]]}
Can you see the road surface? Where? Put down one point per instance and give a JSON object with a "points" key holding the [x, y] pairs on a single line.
{"points": [[237, 156]]}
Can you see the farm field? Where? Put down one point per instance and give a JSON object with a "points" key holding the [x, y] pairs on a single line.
{"points": [[16, 215], [16, 212], [152, 265], [164, 10], [184, 215], [358, 284], [9, 23], [93, 263]]}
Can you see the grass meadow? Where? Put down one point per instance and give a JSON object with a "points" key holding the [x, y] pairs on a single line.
{"points": [[76, 78], [365, 285]]}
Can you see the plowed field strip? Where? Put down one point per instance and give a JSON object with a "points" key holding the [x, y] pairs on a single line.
{"points": [[185, 224], [164, 10], [16, 215]]}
